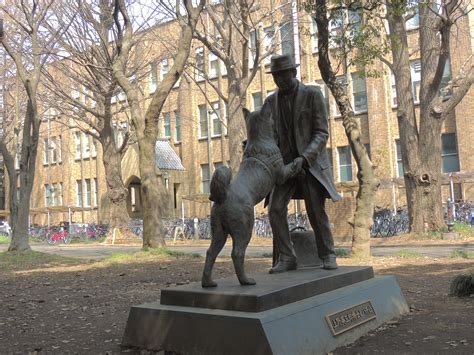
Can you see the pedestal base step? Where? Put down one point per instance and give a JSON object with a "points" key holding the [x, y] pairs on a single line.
{"points": [[313, 325]]}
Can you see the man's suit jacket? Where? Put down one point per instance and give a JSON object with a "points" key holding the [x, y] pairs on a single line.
{"points": [[310, 124]]}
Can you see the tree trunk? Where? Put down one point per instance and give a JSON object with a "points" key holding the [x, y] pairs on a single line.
{"points": [[19, 240], [29, 151], [116, 191], [236, 124], [427, 204], [368, 183], [153, 197]]}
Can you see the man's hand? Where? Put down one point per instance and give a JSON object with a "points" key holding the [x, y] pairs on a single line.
{"points": [[297, 165], [297, 168]]}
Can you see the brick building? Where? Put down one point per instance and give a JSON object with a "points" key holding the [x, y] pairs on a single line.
{"points": [[193, 120]]}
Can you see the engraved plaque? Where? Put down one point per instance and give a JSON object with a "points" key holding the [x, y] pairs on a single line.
{"points": [[349, 318]]}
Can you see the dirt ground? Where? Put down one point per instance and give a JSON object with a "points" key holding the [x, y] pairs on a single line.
{"points": [[53, 305]]}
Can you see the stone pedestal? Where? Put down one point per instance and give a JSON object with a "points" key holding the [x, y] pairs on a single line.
{"points": [[309, 311]]}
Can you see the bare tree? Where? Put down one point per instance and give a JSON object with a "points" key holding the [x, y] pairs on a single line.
{"points": [[368, 183], [145, 123], [421, 139], [233, 32], [85, 90], [23, 37]]}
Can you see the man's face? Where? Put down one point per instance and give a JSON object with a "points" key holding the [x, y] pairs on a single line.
{"points": [[284, 79]]}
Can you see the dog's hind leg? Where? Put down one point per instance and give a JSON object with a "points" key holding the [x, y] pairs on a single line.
{"points": [[240, 241], [219, 237]]}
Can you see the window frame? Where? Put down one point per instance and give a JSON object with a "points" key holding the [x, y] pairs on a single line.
{"points": [[356, 76], [345, 166], [449, 155], [205, 180], [167, 124], [79, 192], [203, 109]]}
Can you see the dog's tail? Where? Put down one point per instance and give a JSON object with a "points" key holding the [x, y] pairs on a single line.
{"points": [[219, 184]]}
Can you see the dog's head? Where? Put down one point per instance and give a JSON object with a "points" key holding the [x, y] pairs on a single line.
{"points": [[258, 123]]}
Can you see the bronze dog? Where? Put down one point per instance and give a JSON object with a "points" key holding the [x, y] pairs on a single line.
{"points": [[233, 209]]}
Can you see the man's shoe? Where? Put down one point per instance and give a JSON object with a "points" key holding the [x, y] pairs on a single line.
{"points": [[329, 262], [283, 266]]}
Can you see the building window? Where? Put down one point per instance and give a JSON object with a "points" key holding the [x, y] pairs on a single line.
{"points": [[96, 193], [79, 193], [354, 22], [177, 126], [359, 93], [325, 91], [257, 100], [46, 151], [314, 35], [216, 119], [164, 68], [336, 22], [54, 195], [414, 21], [400, 172], [47, 195], [213, 65], [415, 69], [77, 144], [153, 77], [449, 153], [393, 87], [60, 148], [443, 91], [167, 124], [268, 42], [59, 193], [88, 192], [345, 163], [94, 148], [287, 44], [54, 152], [200, 64], [87, 146], [202, 121], [205, 178]]}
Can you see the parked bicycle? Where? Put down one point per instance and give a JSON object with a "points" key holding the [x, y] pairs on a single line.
{"points": [[59, 234]]}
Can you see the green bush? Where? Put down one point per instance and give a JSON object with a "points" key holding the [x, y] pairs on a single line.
{"points": [[462, 285]]}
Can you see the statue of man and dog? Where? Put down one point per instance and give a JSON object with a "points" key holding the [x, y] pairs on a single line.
{"points": [[285, 157]]}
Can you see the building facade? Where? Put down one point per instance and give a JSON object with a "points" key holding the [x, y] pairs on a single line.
{"points": [[70, 171]]}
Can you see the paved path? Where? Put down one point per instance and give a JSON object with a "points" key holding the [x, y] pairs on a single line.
{"points": [[101, 251]]}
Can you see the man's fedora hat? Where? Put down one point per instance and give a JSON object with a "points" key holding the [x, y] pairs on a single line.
{"points": [[282, 62]]}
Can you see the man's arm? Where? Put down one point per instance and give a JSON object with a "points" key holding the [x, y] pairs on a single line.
{"points": [[319, 129]]}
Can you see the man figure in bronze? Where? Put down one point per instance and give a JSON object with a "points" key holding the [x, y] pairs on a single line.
{"points": [[301, 131]]}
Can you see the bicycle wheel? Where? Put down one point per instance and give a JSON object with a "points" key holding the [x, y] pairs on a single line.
{"points": [[51, 238], [67, 239], [385, 228], [178, 233]]}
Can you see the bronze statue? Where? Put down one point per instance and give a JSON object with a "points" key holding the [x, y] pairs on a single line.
{"points": [[233, 209], [301, 131]]}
